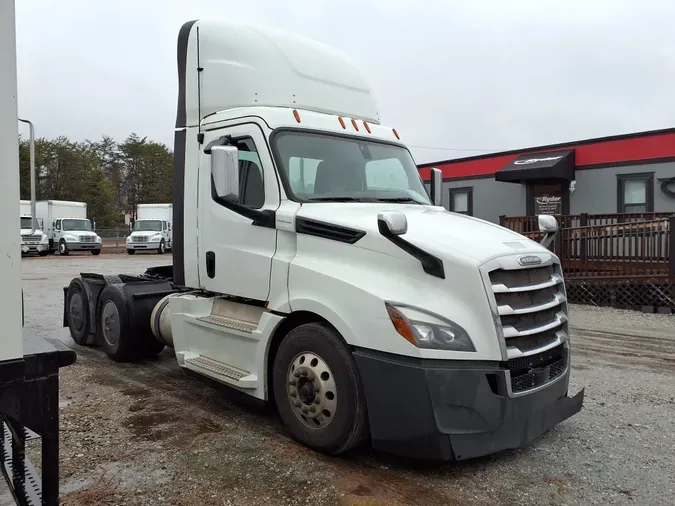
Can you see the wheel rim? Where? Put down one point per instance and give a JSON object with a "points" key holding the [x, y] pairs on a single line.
{"points": [[161, 247], [62, 248], [110, 323], [311, 390], [76, 312]]}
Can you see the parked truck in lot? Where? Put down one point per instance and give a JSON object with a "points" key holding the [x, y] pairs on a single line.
{"points": [[29, 365], [151, 231], [312, 269], [68, 228], [32, 240]]}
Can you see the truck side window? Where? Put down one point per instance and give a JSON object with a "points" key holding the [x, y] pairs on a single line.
{"points": [[57, 225], [251, 183]]}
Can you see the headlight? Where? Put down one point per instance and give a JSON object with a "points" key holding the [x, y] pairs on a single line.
{"points": [[70, 238], [427, 330], [98, 239], [129, 239], [44, 238], [156, 238]]}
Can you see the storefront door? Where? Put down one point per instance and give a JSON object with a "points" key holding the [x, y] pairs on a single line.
{"points": [[548, 198]]}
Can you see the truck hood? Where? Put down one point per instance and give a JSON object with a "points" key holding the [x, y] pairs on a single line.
{"points": [[432, 228]]}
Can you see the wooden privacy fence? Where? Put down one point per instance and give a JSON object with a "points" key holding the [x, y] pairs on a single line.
{"points": [[622, 260]]}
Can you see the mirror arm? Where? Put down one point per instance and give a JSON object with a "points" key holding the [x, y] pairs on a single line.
{"points": [[548, 239], [225, 140]]}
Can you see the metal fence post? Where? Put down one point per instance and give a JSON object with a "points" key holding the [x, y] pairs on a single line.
{"points": [[671, 248], [583, 222]]}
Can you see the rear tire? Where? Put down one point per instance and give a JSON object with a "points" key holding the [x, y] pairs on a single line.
{"points": [[119, 340], [131, 251], [63, 248], [77, 304], [338, 420]]}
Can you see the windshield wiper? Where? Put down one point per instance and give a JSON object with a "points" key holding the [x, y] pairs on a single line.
{"points": [[337, 199], [398, 199]]}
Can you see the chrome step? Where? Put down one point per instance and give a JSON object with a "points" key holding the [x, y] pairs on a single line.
{"points": [[230, 323], [219, 370]]}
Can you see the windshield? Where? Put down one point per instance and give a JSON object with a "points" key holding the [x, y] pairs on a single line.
{"points": [[27, 222], [147, 225], [331, 168], [77, 225]]}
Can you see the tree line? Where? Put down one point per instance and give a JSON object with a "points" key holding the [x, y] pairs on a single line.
{"points": [[111, 177]]}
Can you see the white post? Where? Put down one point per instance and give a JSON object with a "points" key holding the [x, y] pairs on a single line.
{"points": [[11, 337]]}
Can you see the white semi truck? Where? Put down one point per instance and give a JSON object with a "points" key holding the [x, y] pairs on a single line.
{"points": [[32, 240], [151, 231], [68, 228], [311, 268], [29, 366]]}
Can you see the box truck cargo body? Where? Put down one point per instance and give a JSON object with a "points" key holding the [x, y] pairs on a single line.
{"points": [[68, 228], [152, 229]]}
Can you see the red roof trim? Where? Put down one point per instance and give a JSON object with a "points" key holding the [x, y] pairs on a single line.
{"points": [[607, 151]]}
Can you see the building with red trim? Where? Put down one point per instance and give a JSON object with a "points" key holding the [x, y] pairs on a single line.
{"points": [[632, 173]]}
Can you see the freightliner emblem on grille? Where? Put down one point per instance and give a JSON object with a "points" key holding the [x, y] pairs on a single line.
{"points": [[529, 260]]}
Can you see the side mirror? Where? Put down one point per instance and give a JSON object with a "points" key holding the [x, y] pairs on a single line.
{"points": [[549, 225], [393, 222], [436, 184], [225, 172]]}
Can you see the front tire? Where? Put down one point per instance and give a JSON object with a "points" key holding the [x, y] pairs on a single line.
{"points": [[96, 252], [318, 390], [131, 252], [162, 247], [63, 248], [43, 253]]}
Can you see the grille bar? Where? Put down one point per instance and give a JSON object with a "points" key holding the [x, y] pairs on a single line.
{"points": [[502, 288], [507, 309], [515, 352], [510, 331]]}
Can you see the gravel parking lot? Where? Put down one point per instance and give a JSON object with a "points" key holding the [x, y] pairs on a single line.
{"points": [[149, 434]]}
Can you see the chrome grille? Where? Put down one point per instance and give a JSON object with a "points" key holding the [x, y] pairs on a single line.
{"points": [[139, 238], [31, 238], [532, 309], [87, 238]]}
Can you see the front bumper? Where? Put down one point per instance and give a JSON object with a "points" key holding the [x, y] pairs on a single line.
{"points": [[143, 245], [83, 246], [34, 247], [455, 410]]}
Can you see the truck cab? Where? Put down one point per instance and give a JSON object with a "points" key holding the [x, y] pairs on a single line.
{"points": [[151, 231], [37, 242], [312, 269], [75, 234]]}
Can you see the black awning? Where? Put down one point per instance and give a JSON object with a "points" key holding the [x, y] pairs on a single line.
{"points": [[550, 165]]}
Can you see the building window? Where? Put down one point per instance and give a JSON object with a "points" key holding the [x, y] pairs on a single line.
{"points": [[635, 193], [461, 200]]}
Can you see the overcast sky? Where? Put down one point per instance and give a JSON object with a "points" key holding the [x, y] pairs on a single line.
{"points": [[484, 75]]}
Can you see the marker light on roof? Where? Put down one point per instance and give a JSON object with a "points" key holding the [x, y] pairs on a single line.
{"points": [[395, 133], [365, 124], [296, 114], [356, 127], [342, 122]]}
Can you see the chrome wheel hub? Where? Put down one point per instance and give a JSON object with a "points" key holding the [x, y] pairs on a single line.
{"points": [[311, 390]]}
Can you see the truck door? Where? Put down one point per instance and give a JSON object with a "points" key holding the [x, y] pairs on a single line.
{"points": [[57, 231], [235, 256]]}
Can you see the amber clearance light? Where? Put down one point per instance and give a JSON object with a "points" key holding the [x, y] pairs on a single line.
{"points": [[401, 325]]}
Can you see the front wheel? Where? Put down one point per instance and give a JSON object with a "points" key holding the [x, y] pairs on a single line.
{"points": [[63, 248], [43, 253], [96, 252], [318, 391], [162, 247], [131, 252]]}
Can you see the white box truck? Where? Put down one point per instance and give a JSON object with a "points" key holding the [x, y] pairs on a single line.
{"points": [[151, 231], [32, 241], [29, 365], [312, 269], [68, 228]]}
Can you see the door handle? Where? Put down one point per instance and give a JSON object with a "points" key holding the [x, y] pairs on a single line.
{"points": [[211, 264]]}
